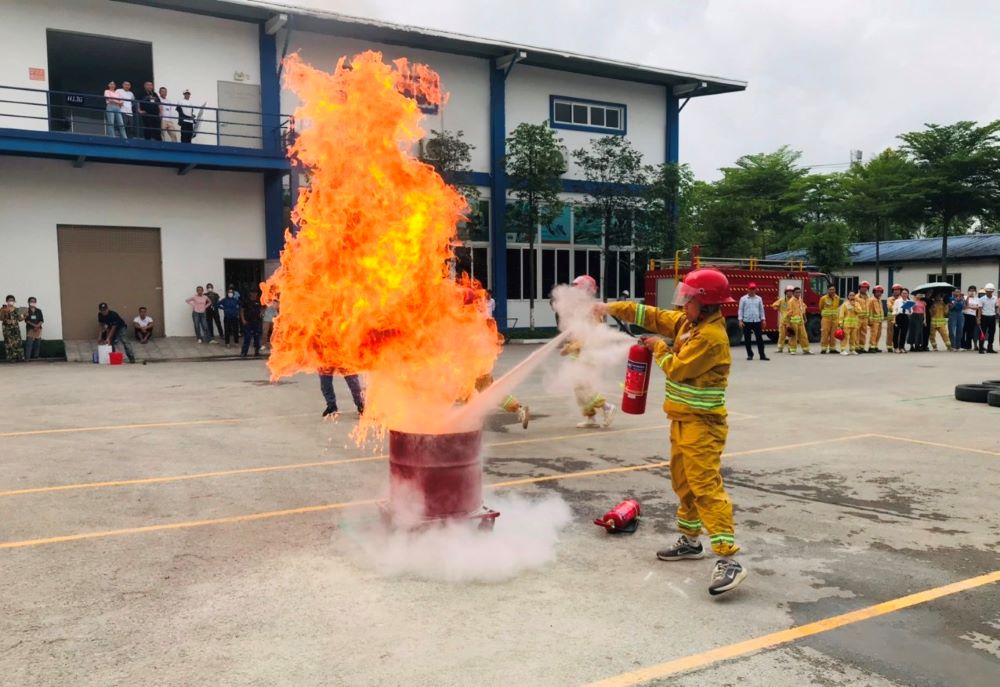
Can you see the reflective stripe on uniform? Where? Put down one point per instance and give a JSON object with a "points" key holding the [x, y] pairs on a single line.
{"points": [[876, 318], [939, 321], [640, 314], [663, 359], [689, 524], [703, 398], [722, 537], [829, 312], [850, 322], [795, 319]]}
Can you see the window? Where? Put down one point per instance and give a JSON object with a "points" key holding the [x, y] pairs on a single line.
{"points": [[954, 279], [846, 284], [586, 115]]}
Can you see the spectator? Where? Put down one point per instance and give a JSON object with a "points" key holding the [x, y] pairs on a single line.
{"points": [[269, 314], [114, 125], [186, 117], [970, 313], [10, 318], [149, 108], [111, 330], [230, 306], [199, 304], [250, 313], [168, 117], [751, 319], [33, 320], [901, 318], [143, 326], [956, 322], [127, 97], [918, 315], [212, 313], [988, 318]]}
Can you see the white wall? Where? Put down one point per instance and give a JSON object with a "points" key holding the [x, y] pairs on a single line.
{"points": [[975, 273], [203, 218], [190, 51], [464, 79], [529, 88]]}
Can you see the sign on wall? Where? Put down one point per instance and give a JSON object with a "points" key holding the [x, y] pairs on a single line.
{"points": [[36, 73]]}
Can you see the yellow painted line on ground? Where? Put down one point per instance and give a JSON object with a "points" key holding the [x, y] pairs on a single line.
{"points": [[145, 425], [280, 468], [724, 653], [345, 504], [908, 440]]}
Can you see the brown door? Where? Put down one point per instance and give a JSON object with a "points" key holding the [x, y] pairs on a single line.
{"points": [[117, 265]]}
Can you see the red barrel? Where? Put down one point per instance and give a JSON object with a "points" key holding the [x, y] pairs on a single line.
{"points": [[445, 470]]}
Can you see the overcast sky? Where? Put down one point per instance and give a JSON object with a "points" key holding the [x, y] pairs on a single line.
{"points": [[824, 77]]}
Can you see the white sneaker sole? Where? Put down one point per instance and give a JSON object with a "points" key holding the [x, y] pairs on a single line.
{"points": [[732, 585], [685, 557]]}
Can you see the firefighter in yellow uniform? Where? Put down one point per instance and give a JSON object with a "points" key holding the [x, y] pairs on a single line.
{"points": [[897, 289], [829, 310], [781, 305], [697, 369], [849, 323], [876, 316], [588, 400], [862, 296], [796, 316], [939, 323]]}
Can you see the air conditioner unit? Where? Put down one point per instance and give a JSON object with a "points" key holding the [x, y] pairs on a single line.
{"points": [[511, 238]]}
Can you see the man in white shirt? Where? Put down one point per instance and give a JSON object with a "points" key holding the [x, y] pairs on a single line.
{"points": [[168, 114], [751, 319], [143, 326], [988, 317], [127, 97]]}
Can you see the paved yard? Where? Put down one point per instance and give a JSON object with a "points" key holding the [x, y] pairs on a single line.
{"points": [[180, 524]]}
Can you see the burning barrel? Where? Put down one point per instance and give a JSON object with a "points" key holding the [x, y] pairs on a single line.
{"points": [[435, 477]]}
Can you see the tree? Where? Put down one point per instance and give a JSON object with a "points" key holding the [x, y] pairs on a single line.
{"points": [[616, 188], [667, 208], [535, 161], [826, 243], [451, 157], [958, 172]]}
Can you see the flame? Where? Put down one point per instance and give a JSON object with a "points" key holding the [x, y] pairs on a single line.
{"points": [[365, 283]]}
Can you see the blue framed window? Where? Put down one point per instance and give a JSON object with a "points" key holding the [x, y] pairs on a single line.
{"points": [[577, 114]]}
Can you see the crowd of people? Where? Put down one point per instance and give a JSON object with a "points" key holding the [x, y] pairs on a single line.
{"points": [[232, 318], [855, 324], [150, 115]]}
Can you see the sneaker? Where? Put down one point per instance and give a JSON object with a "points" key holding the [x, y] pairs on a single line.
{"points": [[824, 352], [749, 357], [728, 574], [844, 353], [524, 416], [330, 410], [588, 423], [855, 353], [792, 353], [683, 548], [806, 352], [200, 341], [263, 349], [764, 357], [213, 341], [608, 411]]}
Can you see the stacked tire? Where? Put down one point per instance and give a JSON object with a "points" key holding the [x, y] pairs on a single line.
{"points": [[988, 392]]}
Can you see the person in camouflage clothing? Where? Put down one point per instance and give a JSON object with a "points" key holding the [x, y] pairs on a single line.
{"points": [[10, 318]]}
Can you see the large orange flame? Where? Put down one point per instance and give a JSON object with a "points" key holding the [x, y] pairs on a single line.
{"points": [[365, 284]]}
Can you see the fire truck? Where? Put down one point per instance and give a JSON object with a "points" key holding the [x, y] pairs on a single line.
{"points": [[771, 277]]}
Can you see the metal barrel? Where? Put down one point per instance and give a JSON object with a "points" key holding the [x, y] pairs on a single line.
{"points": [[445, 470]]}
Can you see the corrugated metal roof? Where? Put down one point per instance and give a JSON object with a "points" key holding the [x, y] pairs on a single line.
{"points": [[324, 21], [968, 247]]}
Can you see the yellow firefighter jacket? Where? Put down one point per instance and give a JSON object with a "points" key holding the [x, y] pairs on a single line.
{"points": [[849, 314], [829, 306], [939, 315], [864, 305], [796, 310], [696, 366], [875, 313]]}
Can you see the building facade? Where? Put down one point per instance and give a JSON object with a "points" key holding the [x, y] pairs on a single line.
{"points": [[141, 222]]}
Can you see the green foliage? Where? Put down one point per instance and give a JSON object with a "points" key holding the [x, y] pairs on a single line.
{"points": [[451, 156], [669, 205], [826, 243]]}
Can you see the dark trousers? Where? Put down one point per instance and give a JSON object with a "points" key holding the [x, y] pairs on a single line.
{"points": [[753, 328], [187, 130], [916, 335], [32, 348], [899, 330], [212, 315], [970, 334], [151, 128], [353, 383], [251, 331], [232, 327], [989, 325]]}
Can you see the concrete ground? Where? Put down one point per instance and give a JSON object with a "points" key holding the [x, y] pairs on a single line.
{"points": [[182, 524]]}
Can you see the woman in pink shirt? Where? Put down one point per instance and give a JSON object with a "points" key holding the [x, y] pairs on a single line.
{"points": [[917, 316], [114, 124], [199, 304]]}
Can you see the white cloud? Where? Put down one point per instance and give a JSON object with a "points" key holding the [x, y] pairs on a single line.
{"points": [[825, 77]]}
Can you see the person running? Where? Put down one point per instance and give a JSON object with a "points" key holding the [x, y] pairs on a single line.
{"points": [[697, 369]]}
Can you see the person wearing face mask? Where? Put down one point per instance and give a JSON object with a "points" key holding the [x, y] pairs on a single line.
{"points": [[33, 320], [10, 318], [230, 307]]}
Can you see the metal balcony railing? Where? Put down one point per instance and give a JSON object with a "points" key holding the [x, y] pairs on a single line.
{"points": [[36, 109]]}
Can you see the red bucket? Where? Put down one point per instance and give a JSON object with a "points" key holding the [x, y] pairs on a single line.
{"points": [[116, 358], [444, 471]]}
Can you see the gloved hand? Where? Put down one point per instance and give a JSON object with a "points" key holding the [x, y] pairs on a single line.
{"points": [[570, 348], [655, 344]]}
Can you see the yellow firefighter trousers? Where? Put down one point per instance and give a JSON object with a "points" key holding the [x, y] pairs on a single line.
{"points": [[801, 336], [939, 326], [588, 400], [782, 339], [861, 334], [848, 343], [483, 382], [696, 475], [875, 333], [828, 325]]}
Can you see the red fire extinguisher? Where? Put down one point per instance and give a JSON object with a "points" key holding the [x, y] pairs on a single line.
{"points": [[622, 518], [637, 372]]}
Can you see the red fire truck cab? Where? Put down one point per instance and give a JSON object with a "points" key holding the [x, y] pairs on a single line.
{"points": [[771, 278]]}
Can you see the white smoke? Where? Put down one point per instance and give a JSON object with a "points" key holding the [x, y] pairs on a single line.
{"points": [[524, 538]]}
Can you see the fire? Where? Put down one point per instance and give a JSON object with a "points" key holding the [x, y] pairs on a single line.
{"points": [[365, 284]]}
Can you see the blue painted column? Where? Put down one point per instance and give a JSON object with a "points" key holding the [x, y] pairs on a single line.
{"points": [[672, 152], [270, 106], [498, 191]]}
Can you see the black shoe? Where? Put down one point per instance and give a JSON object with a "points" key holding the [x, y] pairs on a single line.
{"points": [[330, 410], [728, 574], [764, 357], [361, 410], [823, 352], [990, 351], [749, 357], [683, 548], [806, 352]]}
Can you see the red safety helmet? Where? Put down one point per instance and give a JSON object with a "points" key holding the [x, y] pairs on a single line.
{"points": [[839, 334], [789, 288], [878, 289], [865, 285], [897, 286], [707, 286], [587, 283]]}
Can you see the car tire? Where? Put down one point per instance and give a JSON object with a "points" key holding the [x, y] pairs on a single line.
{"points": [[814, 328], [734, 331], [993, 398], [973, 393], [992, 382]]}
